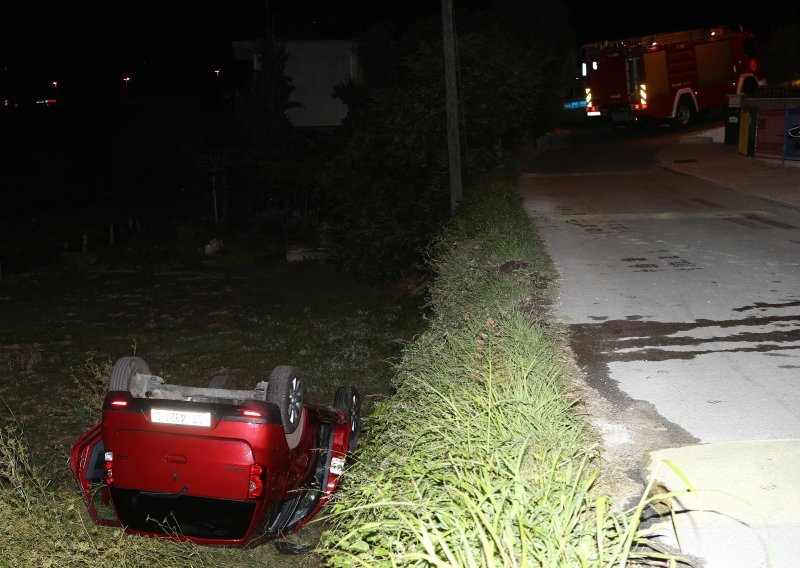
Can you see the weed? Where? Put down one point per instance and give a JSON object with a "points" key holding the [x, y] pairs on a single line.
{"points": [[92, 383], [24, 357]]}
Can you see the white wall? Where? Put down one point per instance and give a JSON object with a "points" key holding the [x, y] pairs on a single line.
{"points": [[315, 67]]}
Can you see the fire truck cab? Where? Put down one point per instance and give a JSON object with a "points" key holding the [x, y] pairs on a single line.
{"points": [[669, 75]]}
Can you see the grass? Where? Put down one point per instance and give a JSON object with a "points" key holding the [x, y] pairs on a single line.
{"points": [[480, 458]]}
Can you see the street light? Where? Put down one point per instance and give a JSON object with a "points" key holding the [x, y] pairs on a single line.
{"points": [[126, 79], [216, 72], [55, 87]]}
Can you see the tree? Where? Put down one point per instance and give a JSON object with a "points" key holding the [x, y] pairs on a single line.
{"points": [[783, 53], [266, 104], [384, 181]]}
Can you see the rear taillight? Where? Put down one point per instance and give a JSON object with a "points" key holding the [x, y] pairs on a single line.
{"points": [[109, 467], [119, 403], [251, 413], [256, 486]]}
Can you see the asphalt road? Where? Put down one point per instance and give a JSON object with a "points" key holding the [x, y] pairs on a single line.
{"points": [[682, 297], [683, 293]]}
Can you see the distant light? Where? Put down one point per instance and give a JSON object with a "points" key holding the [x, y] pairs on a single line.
{"points": [[55, 84], [654, 44], [574, 105], [713, 33], [46, 102], [594, 65], [583, 69]]}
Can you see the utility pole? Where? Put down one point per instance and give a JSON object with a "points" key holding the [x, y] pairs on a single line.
{"points": [[451, 96]]}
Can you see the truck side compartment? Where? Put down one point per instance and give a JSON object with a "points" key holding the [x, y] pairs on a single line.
{"points": [[670, 75]]}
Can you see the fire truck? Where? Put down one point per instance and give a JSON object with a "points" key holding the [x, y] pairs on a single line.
{"points": [[669, 76]]}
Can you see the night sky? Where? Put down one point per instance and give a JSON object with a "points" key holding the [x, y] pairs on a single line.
{"points": [[88, 41]]}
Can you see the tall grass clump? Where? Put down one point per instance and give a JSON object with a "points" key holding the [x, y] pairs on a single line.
{"points": [[487, 258], [92, 385], [480, 458]]}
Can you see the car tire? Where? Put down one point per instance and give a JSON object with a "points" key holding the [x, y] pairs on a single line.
{"points": [[123, 371], [285, 390], [348, 400]]}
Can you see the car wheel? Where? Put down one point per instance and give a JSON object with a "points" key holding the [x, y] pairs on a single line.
{"points": [[123, 371], [348, 400], [285, 390], [684, 113]]}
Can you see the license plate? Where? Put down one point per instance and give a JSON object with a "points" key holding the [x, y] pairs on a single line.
{"points": [[180, 417]]}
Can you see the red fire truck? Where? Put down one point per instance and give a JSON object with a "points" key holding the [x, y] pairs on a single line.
{"points": [[669, 75]]}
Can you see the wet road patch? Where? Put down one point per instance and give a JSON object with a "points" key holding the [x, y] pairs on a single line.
{"points": [[660, 263]]}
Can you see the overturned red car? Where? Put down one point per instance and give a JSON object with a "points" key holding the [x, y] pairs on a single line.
{"points": [[212, 464]]}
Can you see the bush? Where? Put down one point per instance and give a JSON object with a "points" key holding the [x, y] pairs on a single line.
{"points": [[479, 458], [384, 185]]}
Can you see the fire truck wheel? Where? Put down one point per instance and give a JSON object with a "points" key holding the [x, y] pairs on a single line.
{"points": [[123, 371], [684, 114], [285, 390]]}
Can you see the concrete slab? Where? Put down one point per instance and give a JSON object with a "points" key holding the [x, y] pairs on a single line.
{"points": [[742, 505]]}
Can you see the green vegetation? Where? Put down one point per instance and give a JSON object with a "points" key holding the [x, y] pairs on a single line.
{"points": [[480, 459], [383, 190]]}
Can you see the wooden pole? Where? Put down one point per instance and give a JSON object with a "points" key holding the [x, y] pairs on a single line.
{"points": [[451, 97]]}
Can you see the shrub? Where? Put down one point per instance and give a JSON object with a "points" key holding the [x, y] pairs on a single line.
{"points": [[479, 458], [384, 184]]}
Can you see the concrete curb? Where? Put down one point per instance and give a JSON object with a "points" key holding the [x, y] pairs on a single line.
{"points": [[738, 503]]}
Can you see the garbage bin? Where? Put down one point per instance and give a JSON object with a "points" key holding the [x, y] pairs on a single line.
{"points": [[733, 119], [732, 125]]}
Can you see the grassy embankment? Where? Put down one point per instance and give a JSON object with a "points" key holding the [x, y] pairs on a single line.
{"points": [[480, 458]]}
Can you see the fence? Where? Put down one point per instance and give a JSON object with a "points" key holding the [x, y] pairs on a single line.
{"points": [[35, 232], [767, 126]]}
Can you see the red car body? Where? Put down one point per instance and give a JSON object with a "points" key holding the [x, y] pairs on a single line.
{"points": [[216, 471]]}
